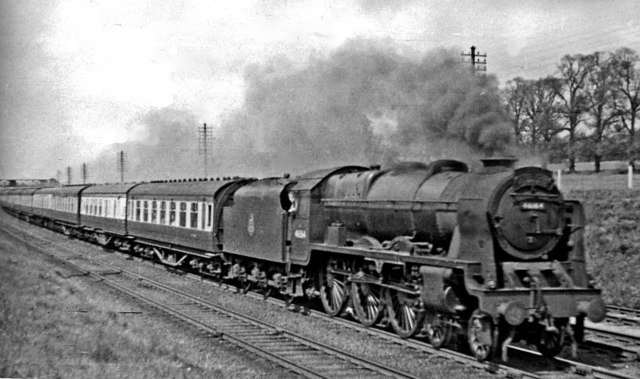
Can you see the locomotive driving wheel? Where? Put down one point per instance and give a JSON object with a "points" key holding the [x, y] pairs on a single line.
{"points": [[367, 303], [480, 335], [404, 312], [333, 287]]}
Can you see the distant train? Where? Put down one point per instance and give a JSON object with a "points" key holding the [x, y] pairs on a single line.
{"points": [[433, 250]]}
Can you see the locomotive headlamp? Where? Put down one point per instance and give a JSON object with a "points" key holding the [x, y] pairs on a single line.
{"points": [[491, 284]]}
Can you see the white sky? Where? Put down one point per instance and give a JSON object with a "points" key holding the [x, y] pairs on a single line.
{"points": [[77, 76]]}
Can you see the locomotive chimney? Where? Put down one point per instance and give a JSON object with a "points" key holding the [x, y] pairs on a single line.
{"points": [[497, 164]]}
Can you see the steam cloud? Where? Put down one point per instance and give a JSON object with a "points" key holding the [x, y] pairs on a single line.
{"points": [[366, 103]]}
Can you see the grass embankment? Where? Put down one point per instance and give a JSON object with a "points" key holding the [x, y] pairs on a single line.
{"points": [[56, 326], [613, 242]]}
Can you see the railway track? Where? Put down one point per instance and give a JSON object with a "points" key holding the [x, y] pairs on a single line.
{"points": [[623, 316], [290, 350]]}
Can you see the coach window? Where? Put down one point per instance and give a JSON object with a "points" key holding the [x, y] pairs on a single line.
{"points": [[193, 222], [145, 211], [138, 210], [183, 213], [100, 207], [172, 213], [154, 212], [163, 209]]}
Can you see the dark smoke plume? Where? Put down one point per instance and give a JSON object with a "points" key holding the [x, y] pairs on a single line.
{"points": [[365, 103]]}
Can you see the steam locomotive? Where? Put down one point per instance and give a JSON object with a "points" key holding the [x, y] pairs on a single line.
{"points": [[495, 254]]}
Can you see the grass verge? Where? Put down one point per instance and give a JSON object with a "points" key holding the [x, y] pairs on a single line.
{"points": [[58, 326]]}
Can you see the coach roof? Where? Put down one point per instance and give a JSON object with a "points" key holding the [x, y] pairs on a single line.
{"points": [[72, 190], [193, 188], [109, 189]]}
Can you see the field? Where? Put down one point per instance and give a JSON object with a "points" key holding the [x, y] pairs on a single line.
{"points": [[612, 233]]}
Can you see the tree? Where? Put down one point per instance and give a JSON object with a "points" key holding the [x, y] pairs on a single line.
{"points": [[540, 110], [515, 96], [600, 98], [627, 103], [572, 99]]}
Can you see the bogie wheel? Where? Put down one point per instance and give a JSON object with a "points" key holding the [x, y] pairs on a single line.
{"points": [[333, 288], [438, 329], [480, 336], [404, 312], [263, 283], [367, 303], [551, 342], [245, 285]]}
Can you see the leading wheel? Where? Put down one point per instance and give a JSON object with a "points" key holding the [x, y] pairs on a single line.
{"points": [[480, 336], [551, 342], [333, 288], [367, 303], [404, 312]]}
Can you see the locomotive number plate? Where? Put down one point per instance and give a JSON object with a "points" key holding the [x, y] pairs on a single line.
{"points": [[533, 206]]}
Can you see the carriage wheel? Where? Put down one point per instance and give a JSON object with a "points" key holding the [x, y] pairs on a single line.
{"points": [[245, 285], [333, 288], [480, 336], [404, 313], [265, 290], [367, 303], [263, 284], [438, 330]]}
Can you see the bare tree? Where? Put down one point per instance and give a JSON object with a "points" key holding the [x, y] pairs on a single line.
{"points": [[540, 110], [627, 102], [515, 97], [600, 93], [572, 99]]}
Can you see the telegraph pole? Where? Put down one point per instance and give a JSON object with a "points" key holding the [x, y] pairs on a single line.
{"points": [[204, 138], [474, 58], [84, 173], [68, 174], [121, 162]]}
